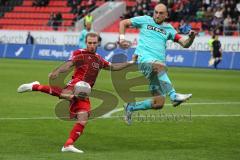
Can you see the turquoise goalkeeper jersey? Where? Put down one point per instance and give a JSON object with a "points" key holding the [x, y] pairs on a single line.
{"points": [[152, 38]]}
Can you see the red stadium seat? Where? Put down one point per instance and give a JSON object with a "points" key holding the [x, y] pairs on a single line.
{"points": [[36, 18], [42, 9], [27, 3], [115, 28], [67, 16], [99, 3], [27, 15], [175, 24], [130, 3], [236, 33], [199, 25], [58, 3]]}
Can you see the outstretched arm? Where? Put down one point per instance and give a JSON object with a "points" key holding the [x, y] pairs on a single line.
{"points": [[120, 66], [63, 68], [186, 43], [122, 27]]}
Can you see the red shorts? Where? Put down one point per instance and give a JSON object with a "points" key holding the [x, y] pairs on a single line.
{"points": [[79, 105]]}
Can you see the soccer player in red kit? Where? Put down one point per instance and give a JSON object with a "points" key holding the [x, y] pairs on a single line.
{"points": [[87, 65]]}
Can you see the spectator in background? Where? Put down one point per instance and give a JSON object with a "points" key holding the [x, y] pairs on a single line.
{"points": [[227, 25], [184, 27], [139, 11], [236, 13], [215, 4], [200, 14], [40, 3], [218, 31], [206, 4], [210, 41], [209, 13], [238, 22], [3, 2], [51, 19], [59, 18], [186, 7], [177, 9], [228, 11], [91, 4], [146, 7], [238, 6], [57, 21], [216, 52], [233, 4], [88, 18], [216, 24], [30, 39], [219, 13], [127, 14], [84, 32]]}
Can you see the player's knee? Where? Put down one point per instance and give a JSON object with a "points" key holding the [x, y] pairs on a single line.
{"points": [[158, 102], [158, 67], [84, 123], [82, 118]]}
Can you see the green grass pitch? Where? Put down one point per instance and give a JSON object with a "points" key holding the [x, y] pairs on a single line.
{"points": [[210, 131]]}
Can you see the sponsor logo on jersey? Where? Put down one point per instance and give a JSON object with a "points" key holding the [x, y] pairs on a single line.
{"points": [[149, 27], [95, 65]]}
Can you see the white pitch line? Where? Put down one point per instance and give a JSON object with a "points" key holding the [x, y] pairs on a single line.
{"points": [[214, 115], [186, 115], [56, 118], [211, 103], [109, 114], [28, 118]]}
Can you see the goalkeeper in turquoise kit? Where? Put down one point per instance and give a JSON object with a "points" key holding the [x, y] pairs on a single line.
{"points": [[151, 52]]}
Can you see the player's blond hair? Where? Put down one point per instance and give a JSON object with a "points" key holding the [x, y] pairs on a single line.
{"points": [[92, 34]]}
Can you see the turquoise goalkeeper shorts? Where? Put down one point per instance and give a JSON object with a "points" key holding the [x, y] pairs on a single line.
{"points": [[145, 66]]}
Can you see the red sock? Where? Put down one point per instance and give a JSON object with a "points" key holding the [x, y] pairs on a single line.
{"points": [[55, 91], [74, 134]]}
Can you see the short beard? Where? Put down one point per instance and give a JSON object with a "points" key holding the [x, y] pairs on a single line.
{"points": [[159, 22]]}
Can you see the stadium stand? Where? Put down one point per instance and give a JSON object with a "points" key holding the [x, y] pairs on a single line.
{"points": [[220, 16], [26, 16], [8, 5], [42, 14]]}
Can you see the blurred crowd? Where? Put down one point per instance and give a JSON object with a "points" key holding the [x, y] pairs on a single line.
{"points": [[216, 15], [219, 16], [40, 3], [55, 20], [3, 2], [81, 8]]}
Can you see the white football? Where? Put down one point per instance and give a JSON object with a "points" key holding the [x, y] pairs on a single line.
{"points": [[82, 88]]}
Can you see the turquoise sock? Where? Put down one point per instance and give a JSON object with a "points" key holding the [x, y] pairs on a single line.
{"points": [[166, 85], [142, 105]]}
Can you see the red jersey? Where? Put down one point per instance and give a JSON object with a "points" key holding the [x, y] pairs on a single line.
{"points": [[87, 66]]}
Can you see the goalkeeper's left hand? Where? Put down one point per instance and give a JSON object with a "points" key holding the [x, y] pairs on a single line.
{"points": [[192, 34]]}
